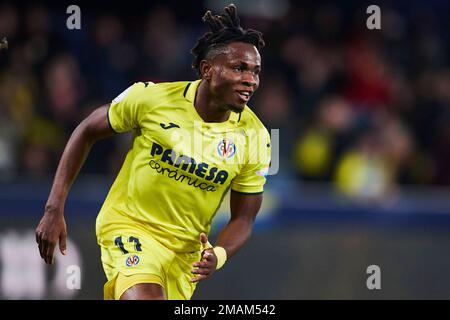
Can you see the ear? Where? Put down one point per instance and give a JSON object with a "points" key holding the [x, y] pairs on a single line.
{"points": [[206, 69]]}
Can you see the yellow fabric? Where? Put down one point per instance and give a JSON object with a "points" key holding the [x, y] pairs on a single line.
{"points": [[114, 288], [221, 255], [142, 259], [179, 167]]}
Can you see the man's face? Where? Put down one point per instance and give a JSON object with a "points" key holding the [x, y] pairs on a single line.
{"points": [[234, 75]]}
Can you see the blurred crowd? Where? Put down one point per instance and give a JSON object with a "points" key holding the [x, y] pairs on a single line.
{"points": [[366, 110]]}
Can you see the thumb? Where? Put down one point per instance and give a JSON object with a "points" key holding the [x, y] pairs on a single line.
{"points": [[203, 238], [63, 243]]}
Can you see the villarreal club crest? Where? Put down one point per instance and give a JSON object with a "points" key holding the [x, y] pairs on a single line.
{"points": [[226, 149]]}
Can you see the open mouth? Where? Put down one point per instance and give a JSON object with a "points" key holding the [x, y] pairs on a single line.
{"points": [[244, 95]]}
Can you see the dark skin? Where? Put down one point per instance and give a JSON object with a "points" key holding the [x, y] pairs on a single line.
{"points": [[225, 75], [229, 80]]}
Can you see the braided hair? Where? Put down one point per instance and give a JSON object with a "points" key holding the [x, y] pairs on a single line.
{"points": [[225, 28]]}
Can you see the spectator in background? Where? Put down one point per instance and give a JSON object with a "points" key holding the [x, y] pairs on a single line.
{"points": [[326, 81], [325, 139]]}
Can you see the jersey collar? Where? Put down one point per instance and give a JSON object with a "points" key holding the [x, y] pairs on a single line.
{"points": [[191, 90], [189, 94]]}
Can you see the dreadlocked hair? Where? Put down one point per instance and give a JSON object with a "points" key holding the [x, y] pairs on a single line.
{"points": [[225, 28]]}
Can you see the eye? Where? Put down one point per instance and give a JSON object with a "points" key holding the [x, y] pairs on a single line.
{"points": [[237, 69]]}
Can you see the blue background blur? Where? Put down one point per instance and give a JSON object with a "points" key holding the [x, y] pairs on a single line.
{"points": [[364, 119]]}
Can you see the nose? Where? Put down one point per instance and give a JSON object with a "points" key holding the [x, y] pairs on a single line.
{"points": [[249, 79]]}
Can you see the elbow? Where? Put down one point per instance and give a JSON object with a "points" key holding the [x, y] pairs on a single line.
{"points": [[245, 223], [247, 218]]}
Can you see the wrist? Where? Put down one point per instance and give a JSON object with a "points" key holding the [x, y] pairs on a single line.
{"points": [[221, 255], [53, 209]]}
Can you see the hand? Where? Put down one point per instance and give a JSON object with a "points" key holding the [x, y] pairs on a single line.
{"points": [[206, 267], [51, 229]]}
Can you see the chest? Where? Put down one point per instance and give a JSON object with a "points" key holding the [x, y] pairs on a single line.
{"points": [[177, 139]]}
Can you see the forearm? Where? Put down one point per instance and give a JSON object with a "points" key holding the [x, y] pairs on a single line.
{"points": [[234, 235], [74, 155]]}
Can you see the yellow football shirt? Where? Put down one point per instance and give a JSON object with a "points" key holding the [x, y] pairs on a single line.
{"points": [[179, 167]]}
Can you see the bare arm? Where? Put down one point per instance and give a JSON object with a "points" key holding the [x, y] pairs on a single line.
{"points": [[244, 208], [52, 226]]}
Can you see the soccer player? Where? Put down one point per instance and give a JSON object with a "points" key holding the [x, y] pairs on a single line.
{"points": [[192, 142]]}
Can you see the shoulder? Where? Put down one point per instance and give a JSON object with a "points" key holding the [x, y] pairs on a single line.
{"points": [[170, 86], [163, 88], [150, 93]]}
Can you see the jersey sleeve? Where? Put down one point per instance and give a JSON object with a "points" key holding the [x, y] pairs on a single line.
{"points": [[125, 110], [252, 177]]}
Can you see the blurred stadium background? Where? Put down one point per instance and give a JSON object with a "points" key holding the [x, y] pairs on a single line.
{"points": [[364, 119]]}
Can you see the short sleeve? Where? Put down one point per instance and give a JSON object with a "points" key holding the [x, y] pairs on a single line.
{"points": [[124, 111], [252, 177]]}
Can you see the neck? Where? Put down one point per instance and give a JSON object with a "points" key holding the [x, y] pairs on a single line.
{"points": [[209, 109]]}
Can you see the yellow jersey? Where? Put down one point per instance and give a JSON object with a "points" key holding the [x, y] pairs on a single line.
{"points": [[179, 167]]}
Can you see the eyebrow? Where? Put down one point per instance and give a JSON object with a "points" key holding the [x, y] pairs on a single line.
{"points": [[246, 65]]}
